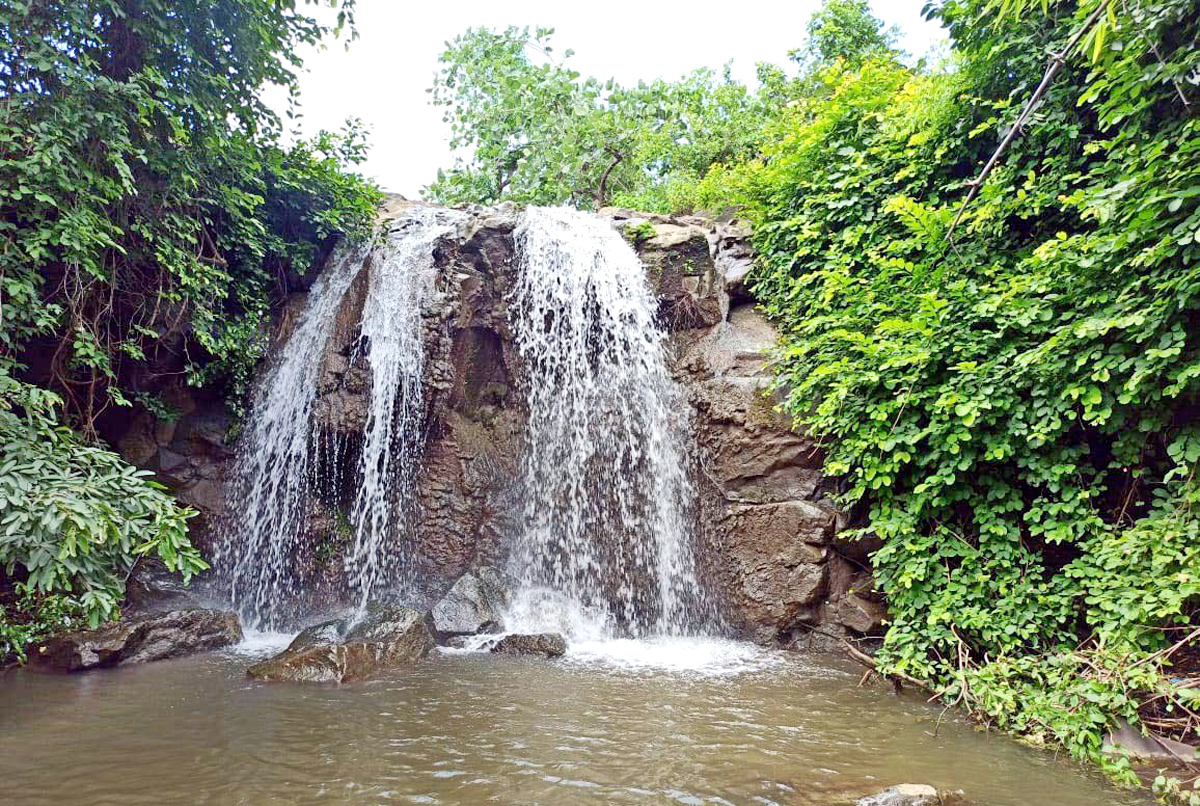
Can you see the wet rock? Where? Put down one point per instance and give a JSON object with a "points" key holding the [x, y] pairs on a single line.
{"points": [[860, 614], [677, 252], [545, 645], [473, 605], [767, 522], [914, 795], [153, 586], [388, 637], [904, 795], [139, 639], [343, 391], [188, 452], [734, 259], [677, 248]]}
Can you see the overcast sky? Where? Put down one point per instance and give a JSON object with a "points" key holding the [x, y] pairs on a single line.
{"points": [[383, 76]]}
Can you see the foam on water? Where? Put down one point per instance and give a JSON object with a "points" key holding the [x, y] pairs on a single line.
{"points": [[666, 654], [705, 656], [259, 643]]}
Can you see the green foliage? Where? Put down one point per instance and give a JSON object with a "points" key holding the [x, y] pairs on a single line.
{"points": [[147, 202], [1014, 411], [76, 518], [845, 30], [639, 232], [149, 210], [540, 133], [30, 617], [1170, 789]]}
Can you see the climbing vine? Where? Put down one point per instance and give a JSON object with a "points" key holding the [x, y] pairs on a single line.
{"points": [[1012, 403]]}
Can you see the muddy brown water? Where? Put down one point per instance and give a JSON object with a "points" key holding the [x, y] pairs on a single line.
{"points": [[622, 723]]}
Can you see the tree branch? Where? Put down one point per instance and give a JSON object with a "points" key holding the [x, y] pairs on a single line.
{"points": [[1056, 63]]}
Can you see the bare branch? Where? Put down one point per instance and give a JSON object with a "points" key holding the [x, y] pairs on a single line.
{"points": [[1056, 62]]}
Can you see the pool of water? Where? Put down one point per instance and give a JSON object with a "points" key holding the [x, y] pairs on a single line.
{"points": [[622, 722]]}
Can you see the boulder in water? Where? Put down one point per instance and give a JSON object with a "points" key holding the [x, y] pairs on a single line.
{"points": [[545, 645], [387, 637], [139, 639], [473, 605], [913, 795]]}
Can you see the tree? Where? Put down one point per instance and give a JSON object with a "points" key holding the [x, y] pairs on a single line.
{"points": [[148, 203], [846, 30], [538, 132]]}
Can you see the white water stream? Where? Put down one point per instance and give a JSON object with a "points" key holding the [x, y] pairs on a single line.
{"points": [[402, 276], [278, 464], [275, 469], [606, 544]]}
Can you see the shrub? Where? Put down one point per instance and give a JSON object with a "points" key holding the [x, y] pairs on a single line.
{"points": [[77, 518]]}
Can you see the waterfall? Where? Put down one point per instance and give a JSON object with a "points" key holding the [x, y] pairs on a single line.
{"points": [[275, 470], [606, 543], [393, 345], [262, 552]]}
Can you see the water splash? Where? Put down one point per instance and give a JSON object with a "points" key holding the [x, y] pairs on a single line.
{"points": [[402, 277], [275, 469], [607, 545]]}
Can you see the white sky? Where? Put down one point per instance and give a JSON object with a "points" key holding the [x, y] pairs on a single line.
{"points": [[383, 76]]}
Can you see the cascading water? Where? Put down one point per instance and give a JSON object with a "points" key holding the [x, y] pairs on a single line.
{"points": [[274, 467], [606, 546], [401, 277], [277, 466]]}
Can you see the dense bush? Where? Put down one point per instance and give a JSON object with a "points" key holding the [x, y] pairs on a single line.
{"points": [[75, 518], [1013, 404]]}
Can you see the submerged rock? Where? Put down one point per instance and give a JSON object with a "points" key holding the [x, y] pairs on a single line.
{"points": [[912, 795], [546, 645], [388, 637], [473, 605], [139, 639]]}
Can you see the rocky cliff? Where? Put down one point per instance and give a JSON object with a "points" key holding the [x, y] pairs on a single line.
{"points": [[767, 525]]}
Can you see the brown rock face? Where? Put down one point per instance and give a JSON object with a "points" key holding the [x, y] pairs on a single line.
{"points": [[765, 516], [681, 265], [389, 637], [190, 452], [140, 639], [767, 521]]}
